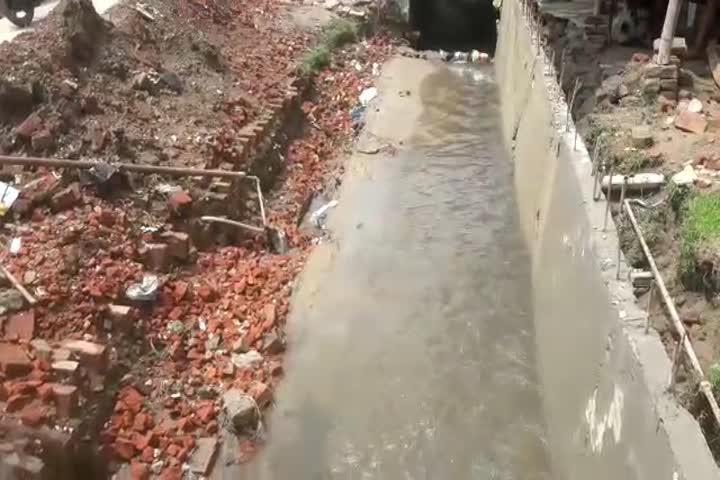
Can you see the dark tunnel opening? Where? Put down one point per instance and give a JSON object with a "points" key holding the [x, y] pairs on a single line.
{"points": [[455, 24]]}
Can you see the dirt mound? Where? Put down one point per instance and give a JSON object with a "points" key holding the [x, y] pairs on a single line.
{"points": [[84, 29]]}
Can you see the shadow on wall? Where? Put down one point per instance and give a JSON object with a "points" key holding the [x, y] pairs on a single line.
{"points": [[455, 24]]}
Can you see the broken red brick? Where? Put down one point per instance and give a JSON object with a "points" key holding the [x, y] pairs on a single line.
{"points": [[178, 244], [124, 449], [181, 289], [148, 454], [139, 471], [180, 202], [66, 400], [17, 402], [691, 122], [42, 140], [29, 126], [45, 392], [66, 198], [92, 355], [261, 393], [21, 325], [121, 317], [13, 360], [141, 423], [171, 473], [205, 412], [33, 415], [156, 256], [41, 349], [132, 399]]}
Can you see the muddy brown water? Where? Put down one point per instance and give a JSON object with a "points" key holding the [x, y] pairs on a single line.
{"points": [[413, 356]]}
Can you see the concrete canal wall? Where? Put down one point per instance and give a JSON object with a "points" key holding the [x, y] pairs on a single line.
{"points": [[604, 379]]}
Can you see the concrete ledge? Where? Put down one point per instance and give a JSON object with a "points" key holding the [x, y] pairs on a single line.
{"points": [[604, 379]]}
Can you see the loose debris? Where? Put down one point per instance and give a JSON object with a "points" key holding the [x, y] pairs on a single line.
{"points": [[125, 303]]}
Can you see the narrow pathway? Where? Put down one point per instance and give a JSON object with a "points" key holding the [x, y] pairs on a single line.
{"points": [[412, 335]]}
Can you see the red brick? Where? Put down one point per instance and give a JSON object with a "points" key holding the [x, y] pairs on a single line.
{"points": [[132, 399], [156, 256], [141, 423], [67, 369], [139, 471], [92, 355], [173, 450], [180, 202], [171, 473], [29, 126], [270, 315], [178, 244], [17, 402], [691, 122], [13, 360], [41, 349], [205, 412], [124, 449], [66, 198], [121, 317], [45, 392], [181, 289], [42, 140], [21, 325], [33, 415], [148, 454], [261, 393], [66, 400]]}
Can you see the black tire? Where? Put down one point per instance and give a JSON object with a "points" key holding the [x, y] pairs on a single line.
{"points": [[21, 21]]}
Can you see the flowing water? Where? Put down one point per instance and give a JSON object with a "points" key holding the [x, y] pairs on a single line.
{"points": [[413, 354]]}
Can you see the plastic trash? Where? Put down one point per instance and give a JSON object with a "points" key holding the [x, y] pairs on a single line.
{"points": [[8, 195], [144, 291], [368, 95]]}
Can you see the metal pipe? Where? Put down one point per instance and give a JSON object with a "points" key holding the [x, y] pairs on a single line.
{"points": [[619, 252], [128, 167], [650, 298], [233, 223], [608, 200], [664, 294], [684, 342]]}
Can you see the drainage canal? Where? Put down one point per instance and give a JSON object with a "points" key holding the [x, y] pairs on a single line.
{"points": [[412, 330]]}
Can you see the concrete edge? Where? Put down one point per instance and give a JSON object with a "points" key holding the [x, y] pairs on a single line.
{"points": [[685, 440]]}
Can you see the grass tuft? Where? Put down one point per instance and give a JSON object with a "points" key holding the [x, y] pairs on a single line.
{"points": [[337, 34], [700, 230]]}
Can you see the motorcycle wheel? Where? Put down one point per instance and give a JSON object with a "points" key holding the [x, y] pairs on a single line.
{"points": [[21, 20]]}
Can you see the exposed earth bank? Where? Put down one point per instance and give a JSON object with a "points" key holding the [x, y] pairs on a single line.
{"points": [[146, 334]]}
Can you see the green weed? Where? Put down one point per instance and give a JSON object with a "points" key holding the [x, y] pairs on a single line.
{"points": [[337, 34]]}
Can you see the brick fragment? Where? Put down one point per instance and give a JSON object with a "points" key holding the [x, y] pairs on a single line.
{"points": [[156, 256], [13, 360], [66, 400], [180, 202], [66, 198], [30, 125], [66, 368], [92, 355], [203, 458], [691, 122], [41, 349], [21, 325], [178, 244], [262, 394], [33, 415]]}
